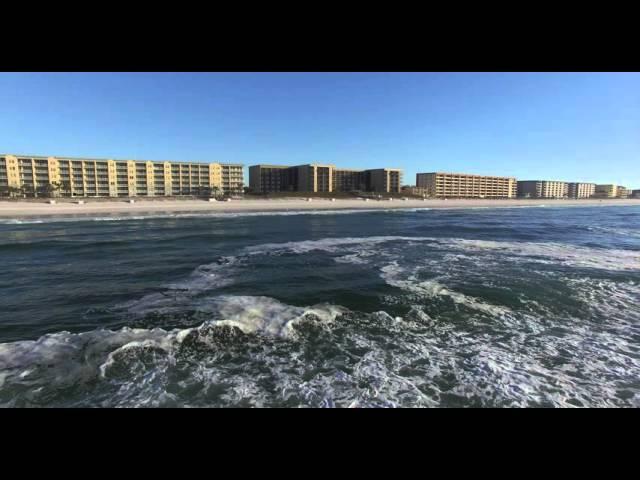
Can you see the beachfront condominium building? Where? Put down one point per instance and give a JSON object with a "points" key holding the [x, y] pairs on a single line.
{"points": [[606, 191], [623, 192], [322, 178], [464, 185], [93, 177], [635, 193], [581, 190], [542, 189]]}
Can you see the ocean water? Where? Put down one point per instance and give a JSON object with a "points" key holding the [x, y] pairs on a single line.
{"points": [[510, 307]]}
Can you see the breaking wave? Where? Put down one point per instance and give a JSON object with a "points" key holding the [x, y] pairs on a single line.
{"points": [[265, 353], [155, 216], [284, 212]]}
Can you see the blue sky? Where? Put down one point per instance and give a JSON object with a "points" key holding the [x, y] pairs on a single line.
{"points": [[558, 126]]}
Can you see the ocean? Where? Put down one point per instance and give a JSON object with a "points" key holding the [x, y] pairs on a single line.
{"points": [[485, 307]]}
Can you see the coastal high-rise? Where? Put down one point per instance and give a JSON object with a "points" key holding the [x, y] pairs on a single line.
{"points": [[581, 190], [92, 177], [542, 189], [464, 185], [606, 191], [322, 178], [623, 192]]}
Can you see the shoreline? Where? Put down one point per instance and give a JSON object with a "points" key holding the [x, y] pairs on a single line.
{"points": [[25, 209]]}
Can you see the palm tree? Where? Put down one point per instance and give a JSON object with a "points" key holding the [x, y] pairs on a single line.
{"points": [[46, 190], [54, 188], [65, 187], [28, 191], [13, 191]]}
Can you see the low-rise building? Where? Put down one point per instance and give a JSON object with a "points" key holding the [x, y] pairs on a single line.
{"points": [[413, 190], [95, 177], [322, 178], [581, 190], [464, 185], [542, 189], [635, 193]]}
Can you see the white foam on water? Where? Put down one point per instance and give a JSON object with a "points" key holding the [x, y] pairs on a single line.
{"points": [[540, 252], [608, 299], [266, 315], [625, 232], [363, 360], [181, 294], [62, 359], [18, 221], [285, 212], [329, 244], [566, 254], [397, 276], [154, 216]]}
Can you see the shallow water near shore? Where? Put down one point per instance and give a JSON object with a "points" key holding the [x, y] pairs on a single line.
{"points": [[405, 308]]}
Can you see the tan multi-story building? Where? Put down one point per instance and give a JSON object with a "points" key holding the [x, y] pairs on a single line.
{"points": [[464, 185], [91, 177], [606, 191], [542, 189], [581, 190], [322, 178]]}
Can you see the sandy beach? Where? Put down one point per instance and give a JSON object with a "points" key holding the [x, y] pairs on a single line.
{"points": [[16, 209]]}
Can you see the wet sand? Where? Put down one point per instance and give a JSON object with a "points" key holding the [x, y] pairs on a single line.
{"points": [[16, 209]]}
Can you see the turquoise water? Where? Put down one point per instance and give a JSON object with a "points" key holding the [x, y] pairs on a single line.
{"points": [[475, 307]]}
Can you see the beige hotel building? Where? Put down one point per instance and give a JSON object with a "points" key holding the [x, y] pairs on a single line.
{"points": [[92, 177], [581, 190], [611, 191], [463, 185], [542, 189]]}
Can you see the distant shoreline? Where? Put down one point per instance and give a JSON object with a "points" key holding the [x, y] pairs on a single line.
{"points": [[66, 207]]}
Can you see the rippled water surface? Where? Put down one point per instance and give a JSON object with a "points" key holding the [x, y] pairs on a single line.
{"points": [[485, 307]]}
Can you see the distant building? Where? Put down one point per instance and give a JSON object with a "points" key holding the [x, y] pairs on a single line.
{"points": [[385, 180], [623, 192], [581, 190], [270, 178], [542, 189], [606, 191], [348, 180], [413, 190], [635, 193], [318, 178], [464, 185], [95, 177]]}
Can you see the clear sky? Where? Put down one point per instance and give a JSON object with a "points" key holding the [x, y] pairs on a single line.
{"points": [[573, 126]]}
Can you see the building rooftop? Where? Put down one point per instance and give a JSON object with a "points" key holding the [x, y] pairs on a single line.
{"points": [[556, 181], [264, 165], [465, 174], [91, 159], [340, 169]]}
